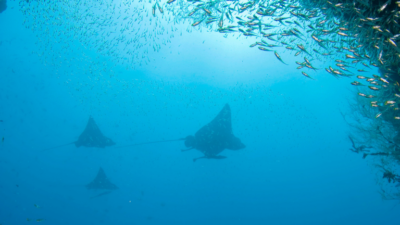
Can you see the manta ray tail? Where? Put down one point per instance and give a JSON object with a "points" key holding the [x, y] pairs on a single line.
{"points": [[152, 142], [101, 194], [59, 146], [185, 150], [195, 159]]}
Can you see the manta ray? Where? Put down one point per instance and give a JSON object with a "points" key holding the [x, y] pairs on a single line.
{"points": [[211, 139], [90, 137], [101, 182], [214, 137]]}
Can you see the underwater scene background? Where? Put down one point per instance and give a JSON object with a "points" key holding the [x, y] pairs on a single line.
{"points": [[296, 167]]}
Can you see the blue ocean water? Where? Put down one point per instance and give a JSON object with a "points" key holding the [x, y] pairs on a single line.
{"points": [[296, 167]]}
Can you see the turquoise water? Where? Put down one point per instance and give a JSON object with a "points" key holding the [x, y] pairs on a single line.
{"points": [[296, 167]]}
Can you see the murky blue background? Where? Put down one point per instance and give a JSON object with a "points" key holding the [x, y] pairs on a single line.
{"points": [[296, 168]]}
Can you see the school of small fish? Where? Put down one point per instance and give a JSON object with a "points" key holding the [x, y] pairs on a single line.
{"points": [[125, 31], [352, 33]]}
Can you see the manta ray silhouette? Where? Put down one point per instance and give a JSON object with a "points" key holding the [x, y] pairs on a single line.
{"points": [[211, 139], [101, 182], [214, 137], [90, 137]]}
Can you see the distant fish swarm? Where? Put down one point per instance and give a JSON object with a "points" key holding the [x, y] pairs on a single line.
{"points": [[352, 33]]}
